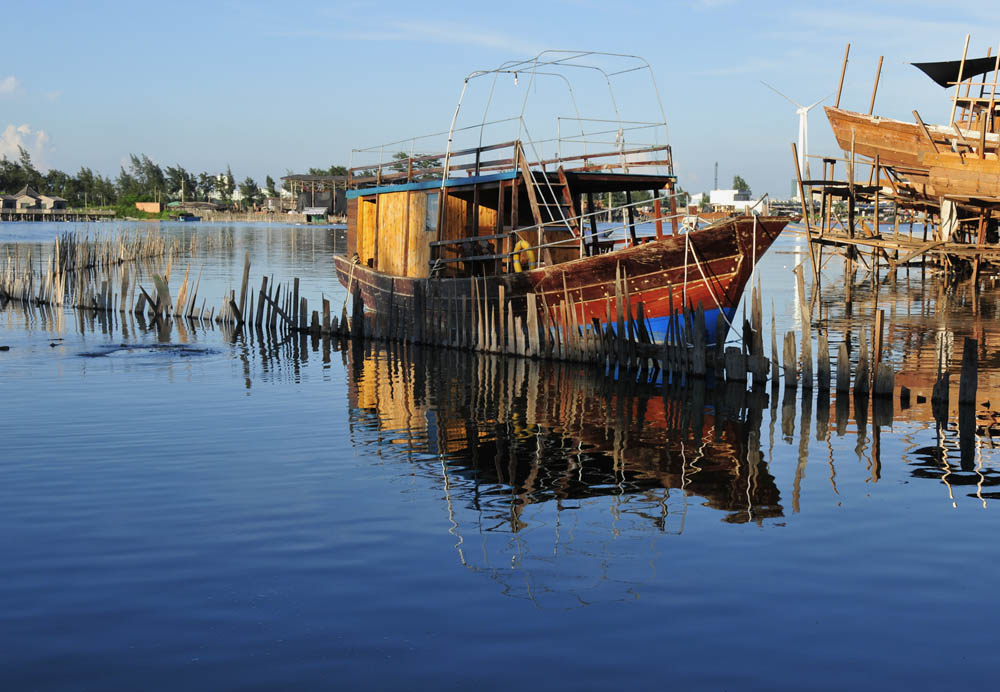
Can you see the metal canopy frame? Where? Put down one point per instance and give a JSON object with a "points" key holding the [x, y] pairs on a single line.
{"points": [[553, 64]]}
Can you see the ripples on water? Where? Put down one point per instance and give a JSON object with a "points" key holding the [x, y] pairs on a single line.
{"points": [[184, 506]]}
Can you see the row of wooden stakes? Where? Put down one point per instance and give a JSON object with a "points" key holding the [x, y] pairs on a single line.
{"points": [[85, 274], [73, 253], [482, 319]]}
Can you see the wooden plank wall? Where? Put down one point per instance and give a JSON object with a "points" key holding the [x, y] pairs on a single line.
{"points": [[456, 215], [419, 252], [366, 230], [392, 232], [352, 227], [396, 253], [454, 220], [487, 220]]}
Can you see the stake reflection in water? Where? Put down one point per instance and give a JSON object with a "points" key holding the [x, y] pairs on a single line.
{"points": [[520, 446], [533, 432]]}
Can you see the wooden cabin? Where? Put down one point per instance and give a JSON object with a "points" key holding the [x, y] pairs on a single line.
{"points": [[401, 223]]}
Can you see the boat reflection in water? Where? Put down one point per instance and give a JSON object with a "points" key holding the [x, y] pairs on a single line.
{"points": [[544, 465]]}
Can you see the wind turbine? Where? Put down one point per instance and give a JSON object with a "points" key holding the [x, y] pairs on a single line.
{"points": [[803, 112]]}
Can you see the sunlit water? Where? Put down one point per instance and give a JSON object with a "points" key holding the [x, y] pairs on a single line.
{"points": [[183, 508]]}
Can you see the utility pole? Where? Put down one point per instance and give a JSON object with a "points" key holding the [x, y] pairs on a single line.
{"points": [[716, 176]]}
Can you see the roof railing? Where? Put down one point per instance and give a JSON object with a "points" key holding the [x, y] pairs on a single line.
{"points": [[409, 170]]}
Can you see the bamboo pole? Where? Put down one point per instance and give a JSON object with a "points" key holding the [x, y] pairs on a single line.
{"points": [[878, 73], [843, 71], [961, 69]]}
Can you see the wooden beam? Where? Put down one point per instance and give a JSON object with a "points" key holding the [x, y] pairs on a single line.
{"points": [[529, 183], [843, 71], [878, 73], [958, 87], [500, 223], [593, 223], [926, 132], [671, 191]]}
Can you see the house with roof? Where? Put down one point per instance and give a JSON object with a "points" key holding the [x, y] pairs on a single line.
{"points": [[8, 202], [51, 202], [27, 198]]}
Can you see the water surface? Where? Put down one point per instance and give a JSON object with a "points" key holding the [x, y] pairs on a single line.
{"points": [[185, 507]]}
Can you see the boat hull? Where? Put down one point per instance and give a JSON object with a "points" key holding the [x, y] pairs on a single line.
{"points": [[968, 176], [897, 143], [708, 267], [935, 172]]}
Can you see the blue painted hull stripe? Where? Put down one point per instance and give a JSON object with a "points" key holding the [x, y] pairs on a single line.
{"points": [[713, 324]]}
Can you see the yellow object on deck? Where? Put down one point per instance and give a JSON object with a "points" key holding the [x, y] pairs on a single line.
{"points": [[523, 251]]}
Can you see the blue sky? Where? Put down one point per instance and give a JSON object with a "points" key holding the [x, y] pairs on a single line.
{"points": [[271, 87]]}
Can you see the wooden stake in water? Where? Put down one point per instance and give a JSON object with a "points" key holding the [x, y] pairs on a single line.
{"points": [[243, 284], [756, 324], [791, 373], [295, 305], [260, 300], [843, 369], [736, 370], [884, 380], [967, 385], [823, 364], [877, 337], [774, 350], [619, 315], [532, 314], [807, 360], [862, 378], [699, 343]]}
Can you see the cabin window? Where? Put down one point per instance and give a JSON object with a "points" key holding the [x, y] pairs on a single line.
{"points": [[431, 219]]}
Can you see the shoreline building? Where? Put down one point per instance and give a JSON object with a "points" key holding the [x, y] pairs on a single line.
{"points": [[730, 200]]}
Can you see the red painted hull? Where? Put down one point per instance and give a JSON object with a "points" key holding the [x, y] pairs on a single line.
{"points": [[710, 266]]}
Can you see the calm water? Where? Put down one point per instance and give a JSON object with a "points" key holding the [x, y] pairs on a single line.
{"points": [[185, 509]]}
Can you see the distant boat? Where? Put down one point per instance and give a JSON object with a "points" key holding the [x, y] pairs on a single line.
{"points": [[185, 217]]}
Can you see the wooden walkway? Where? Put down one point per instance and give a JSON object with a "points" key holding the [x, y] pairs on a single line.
{"points": [[56, 214]]}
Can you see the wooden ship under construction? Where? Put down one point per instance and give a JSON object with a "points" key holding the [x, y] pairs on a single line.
{"points": [[946, 177], [547, 224]]}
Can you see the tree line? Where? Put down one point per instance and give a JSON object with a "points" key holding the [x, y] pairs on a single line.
{"points": [[142, 180]]}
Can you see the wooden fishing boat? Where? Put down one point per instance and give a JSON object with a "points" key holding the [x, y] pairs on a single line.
{"points": [[434, 231], [937, 160], [958, 161]]}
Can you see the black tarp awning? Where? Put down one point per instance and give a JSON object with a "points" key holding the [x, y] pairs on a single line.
{"points": [[947, 71]]}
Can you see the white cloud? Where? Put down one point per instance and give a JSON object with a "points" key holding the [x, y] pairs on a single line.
{"points": [[442, 33], [36, 142], [8, 85]]}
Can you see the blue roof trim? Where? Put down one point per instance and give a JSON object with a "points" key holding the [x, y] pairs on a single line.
{"points": [[431, 184]]}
